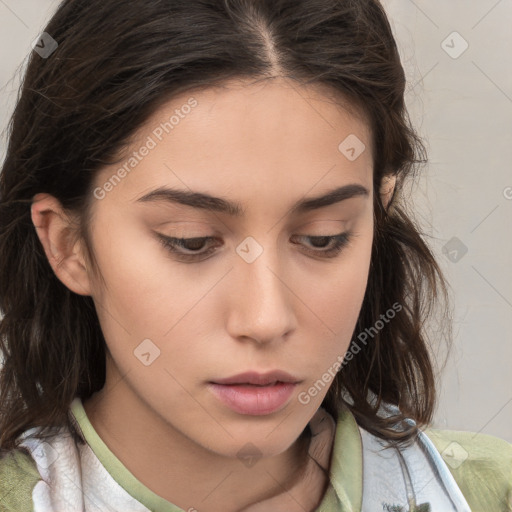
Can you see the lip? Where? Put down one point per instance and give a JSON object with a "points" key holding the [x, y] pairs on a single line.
{"points": [[253, 393], [262, 379], [253, 400]]}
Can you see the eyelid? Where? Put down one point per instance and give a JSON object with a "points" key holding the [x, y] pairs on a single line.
{"points": [[189, 224]]}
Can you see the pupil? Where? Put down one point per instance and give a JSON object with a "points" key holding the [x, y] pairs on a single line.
{"points": [[317, 242], [195, 243]]}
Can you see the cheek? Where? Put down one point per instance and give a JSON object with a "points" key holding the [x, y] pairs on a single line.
{"points": [[340, 291], [146, 298], [336, 299], [140, 286], [149, 296], [347, 291]]}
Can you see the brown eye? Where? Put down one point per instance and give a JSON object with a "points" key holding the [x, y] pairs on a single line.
{"points": [[177, 246], [337, 244]]}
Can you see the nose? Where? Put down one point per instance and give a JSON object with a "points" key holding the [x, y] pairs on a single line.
{"points": [[262, 299]]}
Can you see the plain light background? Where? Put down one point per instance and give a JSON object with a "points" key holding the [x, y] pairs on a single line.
{"points": [[457, 60]]}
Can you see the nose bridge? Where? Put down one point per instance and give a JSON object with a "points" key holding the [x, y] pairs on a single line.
{"points": [[261, 307]]}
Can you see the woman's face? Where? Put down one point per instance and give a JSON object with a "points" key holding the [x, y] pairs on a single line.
{"points": [[258, 294]]}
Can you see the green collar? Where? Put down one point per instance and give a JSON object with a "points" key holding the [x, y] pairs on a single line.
{"points": [[346, 473], [344, 493]]}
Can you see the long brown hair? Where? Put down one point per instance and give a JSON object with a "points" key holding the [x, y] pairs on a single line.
{"points": [[116, 62]]}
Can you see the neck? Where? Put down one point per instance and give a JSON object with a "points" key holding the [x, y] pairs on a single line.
{"points": [[179, 470]]}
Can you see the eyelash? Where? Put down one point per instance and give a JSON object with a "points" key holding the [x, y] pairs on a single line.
{"points": [[340, 242]]}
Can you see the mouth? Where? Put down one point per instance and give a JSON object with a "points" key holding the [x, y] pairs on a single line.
{"points": [[255, 394]]}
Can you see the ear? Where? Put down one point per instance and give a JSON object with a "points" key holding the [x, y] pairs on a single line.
{"points": [[387, 187], [55, 231]]}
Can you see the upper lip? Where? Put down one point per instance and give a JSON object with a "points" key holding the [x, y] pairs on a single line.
{"points": [[262, 379]]}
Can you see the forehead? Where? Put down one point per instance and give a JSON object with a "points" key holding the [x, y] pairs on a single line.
{"points": [[274, 136]]}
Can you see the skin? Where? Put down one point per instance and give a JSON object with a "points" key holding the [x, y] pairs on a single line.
{"points": [[265, 145]]}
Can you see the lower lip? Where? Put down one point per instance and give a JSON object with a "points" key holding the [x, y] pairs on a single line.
{"points": [[253, 400]]}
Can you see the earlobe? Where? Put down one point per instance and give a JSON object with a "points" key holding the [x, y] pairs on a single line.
{"points": [[55, 231], [387, 188]]}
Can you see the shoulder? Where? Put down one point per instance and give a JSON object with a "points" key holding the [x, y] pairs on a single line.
{"points": [[18, 477], [481, 465], [31, 473]]}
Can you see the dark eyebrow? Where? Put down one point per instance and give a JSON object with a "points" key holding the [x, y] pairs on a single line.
{"points": [[217, 204]]}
